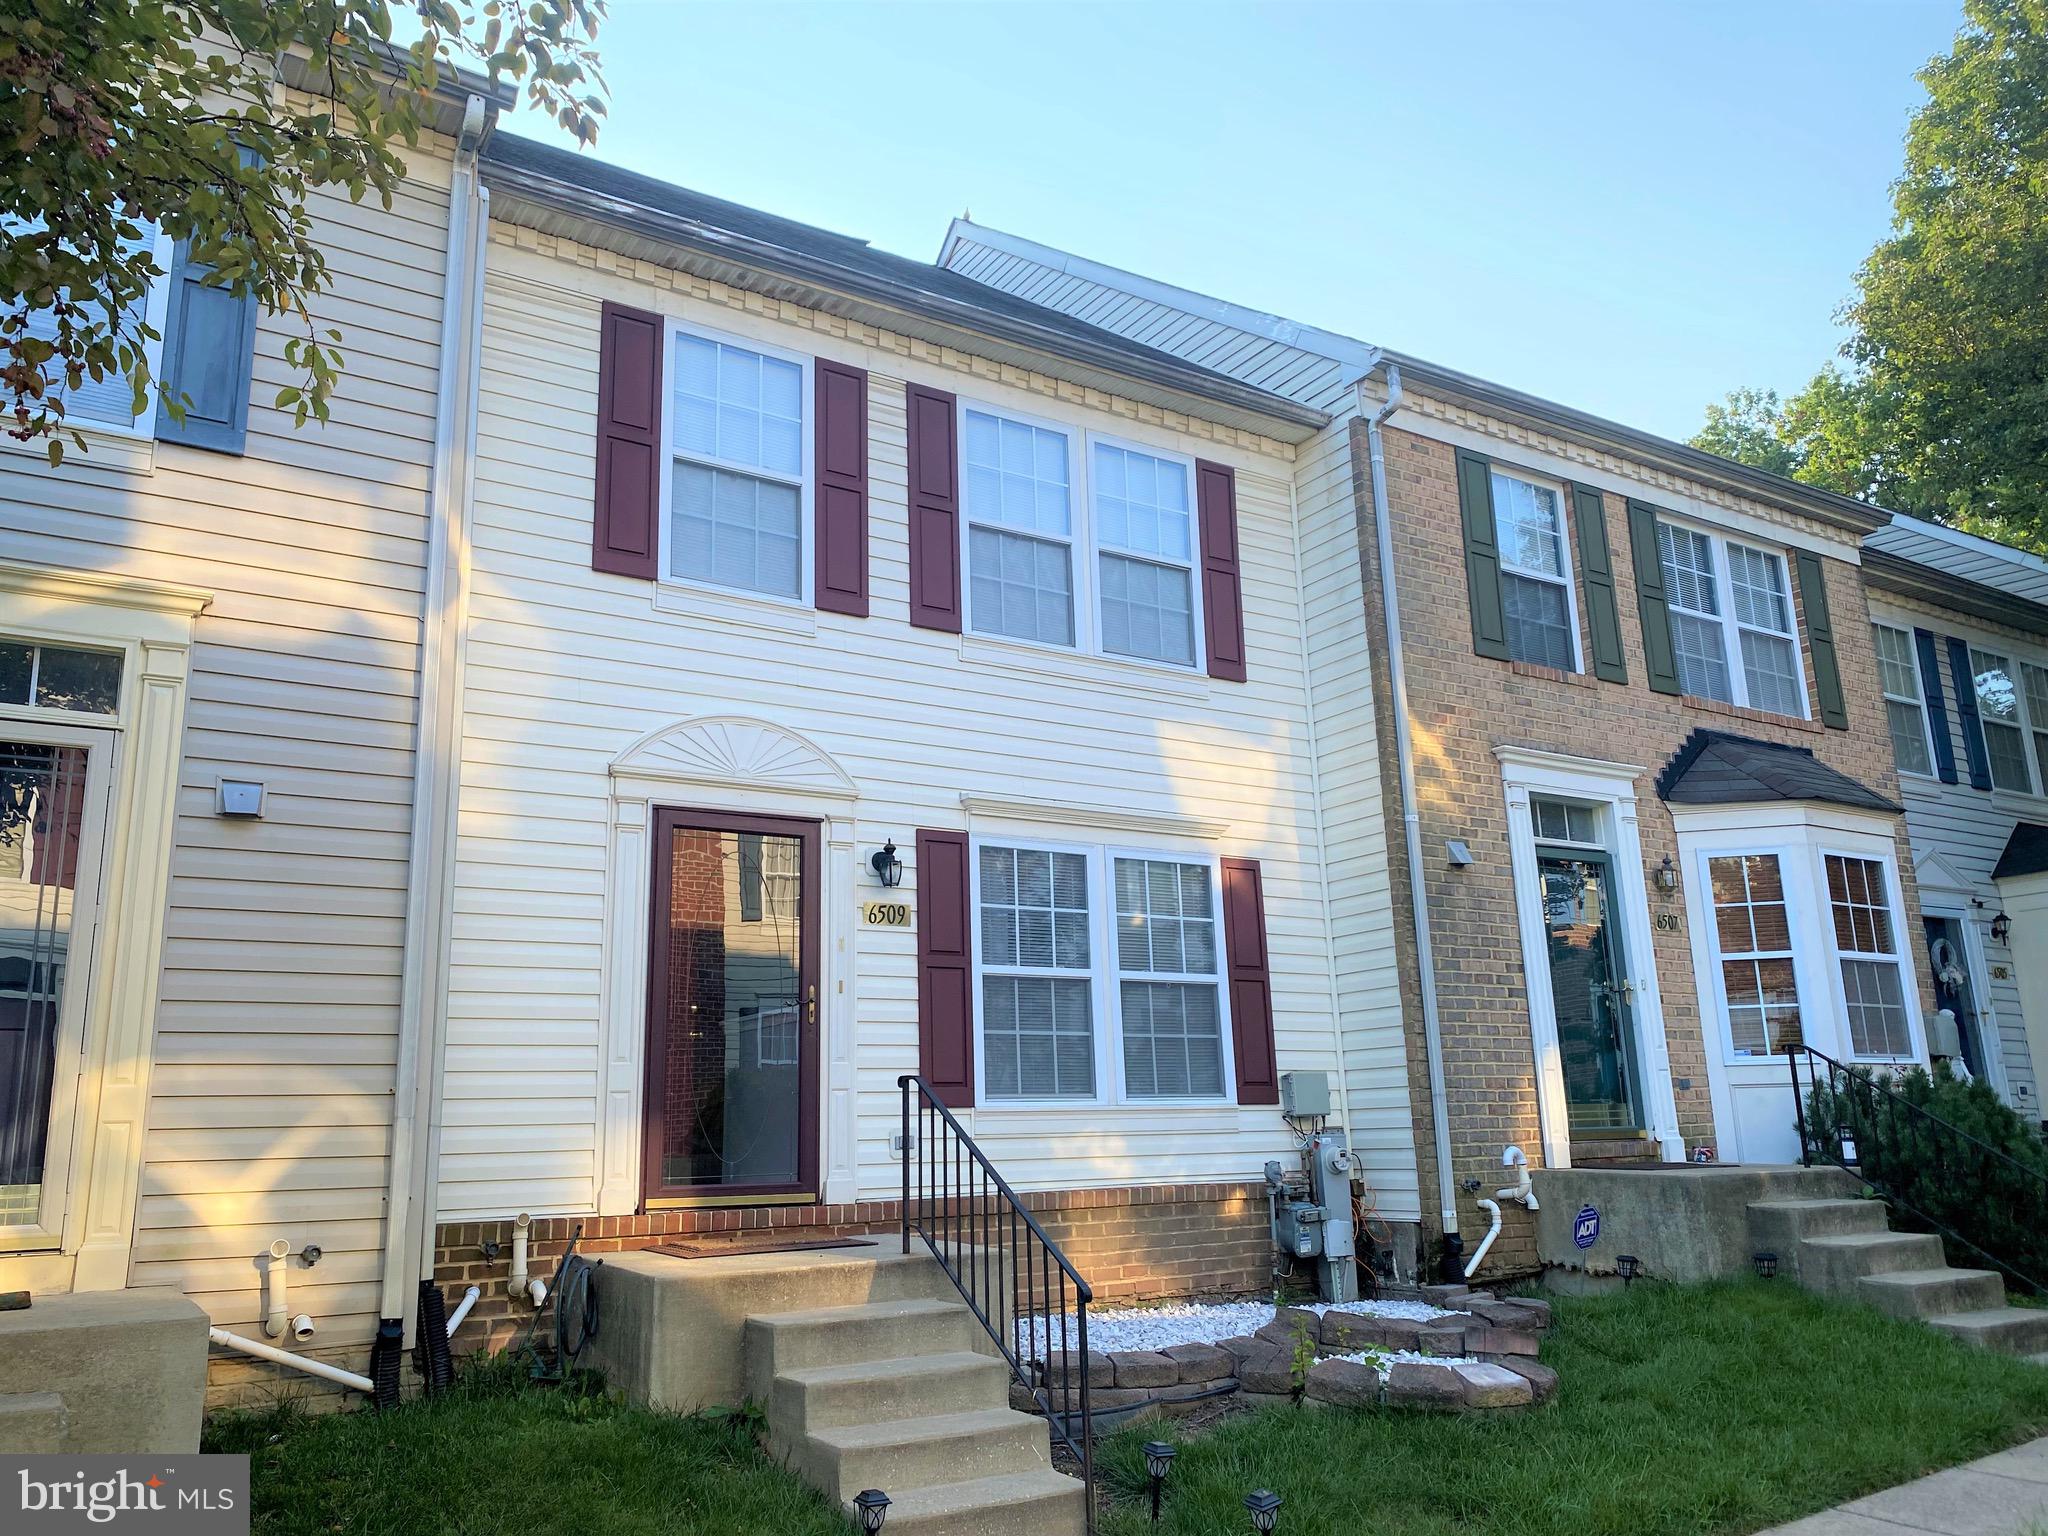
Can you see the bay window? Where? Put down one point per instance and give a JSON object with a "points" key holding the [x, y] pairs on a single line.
{"points": [[1869, 954], [1099, 975], [1753, 939]]}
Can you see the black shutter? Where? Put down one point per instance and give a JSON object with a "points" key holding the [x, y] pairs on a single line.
{"points": [[1482, 556], [1820, 639], [1937, 710], [1965, 677], [1660, 658], [1596, 565], [209, 354]]}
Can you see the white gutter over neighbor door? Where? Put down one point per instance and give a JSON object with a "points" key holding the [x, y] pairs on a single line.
{"points": [[410, 1206]]}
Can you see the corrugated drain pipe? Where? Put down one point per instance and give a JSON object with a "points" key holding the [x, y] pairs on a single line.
{"points": [[1452, 1268]]}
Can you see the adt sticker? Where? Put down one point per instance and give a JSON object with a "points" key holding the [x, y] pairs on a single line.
{"points": [[1586, 1227]]}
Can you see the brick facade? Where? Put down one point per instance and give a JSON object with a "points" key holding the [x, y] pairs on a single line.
{"points": [[1462, 707]]}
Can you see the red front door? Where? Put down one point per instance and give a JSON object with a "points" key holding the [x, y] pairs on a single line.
{"points": [[732, 1048]]}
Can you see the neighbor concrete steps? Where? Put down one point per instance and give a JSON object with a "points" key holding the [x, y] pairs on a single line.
{"points": [[904, 1394], [1845, 1247]]}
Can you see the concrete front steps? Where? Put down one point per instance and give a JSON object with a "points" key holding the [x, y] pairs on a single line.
{"points": [[904, 1394], [1844, 1247]]}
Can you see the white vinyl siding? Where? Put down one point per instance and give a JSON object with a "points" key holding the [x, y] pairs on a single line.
{"points": [[2004, 726], [736, 491], [1535, 572], [1898, 673], [1731, 621]]}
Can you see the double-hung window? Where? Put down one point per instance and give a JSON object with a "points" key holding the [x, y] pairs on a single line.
{"points": [[1100, 974], [1868, 949], [2004, 726], [1535, 572], [108, 403], [737, 478], [1144, 534], [1753, 939], [2034, 682], [1731, 621], [1905, 709], [1017, 494]]}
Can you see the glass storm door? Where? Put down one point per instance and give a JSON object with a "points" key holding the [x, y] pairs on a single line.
{"points": [[732, 1085], [52, 804], [1949, 964], [1590, 990]]}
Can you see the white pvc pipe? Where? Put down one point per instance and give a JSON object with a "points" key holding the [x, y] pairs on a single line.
{"points": [[277, 1316], [515, 1278], [1486, 1242], [318, 1368], [462, 1309]]}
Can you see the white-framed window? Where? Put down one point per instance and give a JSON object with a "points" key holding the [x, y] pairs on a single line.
{"points": [[1078, 541], [1535, 571], [775, 1034], [1753, 944], [1144, 522], [2000, 717], [2034, 692], [1898, 673], [108, 404], [738, 491], [1564, 821], [1732, 624], [1017, 497], [61, 677], [1098, 974], [1866, 944]]}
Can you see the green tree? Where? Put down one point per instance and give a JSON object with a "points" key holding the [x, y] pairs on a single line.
{"points": [[1942, 409], [1749, 427], [123, 117]]}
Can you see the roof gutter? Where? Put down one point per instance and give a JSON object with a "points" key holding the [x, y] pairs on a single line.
{"points": [[1829, 507], [1453, 1268], [671, 229], [1890, 572]]}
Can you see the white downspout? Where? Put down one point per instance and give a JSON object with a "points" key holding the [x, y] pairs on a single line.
{"points": [[1411, 820], [409, 1208]]}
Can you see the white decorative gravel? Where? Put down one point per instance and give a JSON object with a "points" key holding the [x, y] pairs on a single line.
{"points": [[1172, 1323]]}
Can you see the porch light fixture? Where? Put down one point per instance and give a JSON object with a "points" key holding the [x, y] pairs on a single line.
{"points": [[1159, 1456], [887, 867], [2001, 928], [1766, 1265], [871, 1504], [1667, 875], [1628, 1266], [1265, 1507]]}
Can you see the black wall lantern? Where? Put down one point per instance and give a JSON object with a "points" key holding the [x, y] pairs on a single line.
{"points": [[887, 867], [2001, 928]]}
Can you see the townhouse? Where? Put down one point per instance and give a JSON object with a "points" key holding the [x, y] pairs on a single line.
{"points": [[1630, 746], [1958, 627]]}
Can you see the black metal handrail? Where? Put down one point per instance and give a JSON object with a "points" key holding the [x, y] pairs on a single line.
{"points": [[1908, 1154], [1012, 1276]]}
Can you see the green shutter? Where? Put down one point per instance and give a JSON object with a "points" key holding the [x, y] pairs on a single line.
{"points": [[1596, 565], [1659, 658], [1482, 556], [1820, 639]]}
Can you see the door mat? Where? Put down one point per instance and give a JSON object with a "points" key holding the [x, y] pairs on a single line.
{"points": [[716, 1248]]}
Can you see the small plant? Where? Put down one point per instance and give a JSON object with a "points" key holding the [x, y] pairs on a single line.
{"points": [[1303, 1357]]}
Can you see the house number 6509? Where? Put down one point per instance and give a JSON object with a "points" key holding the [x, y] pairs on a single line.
{"points": [[885, 914]]}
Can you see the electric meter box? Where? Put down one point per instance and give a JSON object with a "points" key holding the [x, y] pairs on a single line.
{"points": [[1305, 1094]]}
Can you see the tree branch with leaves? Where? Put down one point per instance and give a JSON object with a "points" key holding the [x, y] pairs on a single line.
{"points": [[131, 127]]}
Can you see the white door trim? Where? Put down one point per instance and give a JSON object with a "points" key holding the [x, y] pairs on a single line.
{"points": [[1611, 785]]}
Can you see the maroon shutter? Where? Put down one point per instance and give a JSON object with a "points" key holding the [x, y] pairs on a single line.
{"points": [[934, 510], [1251, 988], [1222, 589], [624, 539], [945, 968], [842, 512]]}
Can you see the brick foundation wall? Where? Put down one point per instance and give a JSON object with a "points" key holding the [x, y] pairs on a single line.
{"points": [[1462, 706], [1130, 1243]]}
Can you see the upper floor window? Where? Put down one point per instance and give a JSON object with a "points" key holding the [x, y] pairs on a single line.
{"points": [[1905, 710], [737, 482], [1144, 532], [2004, 726], [59, 677], [1017, 493], [1731, 621], [108, 403], [1535, 572]]}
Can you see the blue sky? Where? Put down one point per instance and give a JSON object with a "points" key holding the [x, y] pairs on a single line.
{"points": [[1629, 208]]}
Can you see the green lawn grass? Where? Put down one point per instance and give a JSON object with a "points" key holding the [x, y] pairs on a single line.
{"points": [[496, 1455], [1704, 1411]]}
